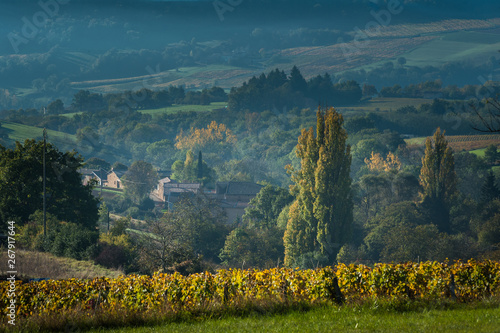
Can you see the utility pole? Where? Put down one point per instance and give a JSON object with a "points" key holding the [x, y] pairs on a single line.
{"points": [[44, 187], [100, 180]]}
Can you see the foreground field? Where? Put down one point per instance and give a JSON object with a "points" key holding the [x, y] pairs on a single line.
{"points": [[368, 318], [166, 298]]}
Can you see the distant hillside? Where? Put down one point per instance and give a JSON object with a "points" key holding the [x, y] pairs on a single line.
{"points": [[421, 45], [109, 46]]}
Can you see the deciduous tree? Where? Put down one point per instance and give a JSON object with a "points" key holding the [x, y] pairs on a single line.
{"points": [[21, 185], [377, 163], [198, 138], [438, 180], [139, 180], [320, 218], [191, 171], [267, 205], [56, 107]]}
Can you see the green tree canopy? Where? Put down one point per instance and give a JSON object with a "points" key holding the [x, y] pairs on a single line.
{"points": [[258, 241], [399, 215], [56, 107], [251, 247], [491, 154], [191, 170], [21, 185], [194, 229], [267, 205], [205, 224], [139, 180], [119, 166], [97, 163], [490, 190]]}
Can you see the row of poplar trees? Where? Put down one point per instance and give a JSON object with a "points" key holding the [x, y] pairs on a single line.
{"points": [[321, 216]]}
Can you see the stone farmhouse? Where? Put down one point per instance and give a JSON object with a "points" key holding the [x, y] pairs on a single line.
{"points": [[232, 197], [114, 178]]}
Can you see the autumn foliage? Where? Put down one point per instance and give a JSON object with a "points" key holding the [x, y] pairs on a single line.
{"points": [[377, 163], [214, 135], [463, 281]]}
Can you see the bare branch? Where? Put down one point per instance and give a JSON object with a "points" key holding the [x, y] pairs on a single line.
{"points": [[489, 122]]}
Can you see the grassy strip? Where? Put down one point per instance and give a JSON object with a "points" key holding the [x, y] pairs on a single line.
{"points": [[348, 319], [416, 141], [385, 104], [109, 190], [71, 114], [372, 315]]}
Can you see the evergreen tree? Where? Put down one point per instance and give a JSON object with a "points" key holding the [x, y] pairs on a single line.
{"points": [[190, 171], [276, 79], [200, 166], [438, 180], [491, 154], [320, 218], [489, 190], [297, 81]]}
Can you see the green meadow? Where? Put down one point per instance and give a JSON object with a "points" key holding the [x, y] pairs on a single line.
{"points": [[456, 46], [478, 152], [366, 318], [185, 108], [20, 132], [385, 104]]}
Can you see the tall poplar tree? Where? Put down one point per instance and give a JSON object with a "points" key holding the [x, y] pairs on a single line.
{"points": [[320, 218], [438, 180]]}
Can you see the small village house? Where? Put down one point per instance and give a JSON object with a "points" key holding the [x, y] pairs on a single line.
{"points": [[114, 178]]}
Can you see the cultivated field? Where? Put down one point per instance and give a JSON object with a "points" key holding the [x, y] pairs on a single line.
{"points": [[473, 143], [138, 300], [190, 77]]}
